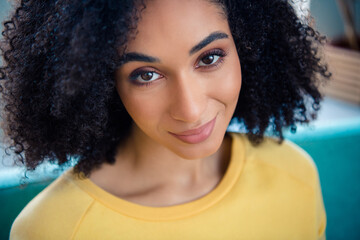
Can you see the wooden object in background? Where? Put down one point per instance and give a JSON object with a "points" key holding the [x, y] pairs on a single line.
{"points": [[344, 65]]}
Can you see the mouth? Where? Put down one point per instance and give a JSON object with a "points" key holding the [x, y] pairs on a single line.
{"points": [[196, 135]]}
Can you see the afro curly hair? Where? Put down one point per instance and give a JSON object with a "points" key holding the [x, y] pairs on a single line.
{"points": [[57, 80]]}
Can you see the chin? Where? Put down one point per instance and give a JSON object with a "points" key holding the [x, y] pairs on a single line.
{"points": [[199, 150]]}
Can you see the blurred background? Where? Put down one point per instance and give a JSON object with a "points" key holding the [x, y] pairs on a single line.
{"points": [[333, 140]]}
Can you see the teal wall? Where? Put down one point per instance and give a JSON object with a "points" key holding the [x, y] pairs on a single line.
{"points": [[4, 12], [328, 17], [4, 9]]}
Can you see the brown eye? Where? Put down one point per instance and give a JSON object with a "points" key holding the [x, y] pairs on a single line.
{"points": [[144, 76], [147, 76], [208, 59]]}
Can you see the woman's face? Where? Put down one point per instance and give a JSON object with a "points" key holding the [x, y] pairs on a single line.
{"points": [[181, 78]]}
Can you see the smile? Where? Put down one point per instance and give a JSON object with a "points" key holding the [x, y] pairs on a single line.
{"points": [[196, 135]]}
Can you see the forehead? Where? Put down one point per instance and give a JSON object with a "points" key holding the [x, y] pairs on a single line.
{"points": [[180, 23]]}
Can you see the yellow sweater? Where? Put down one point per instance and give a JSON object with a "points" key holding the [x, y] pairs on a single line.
{"points": [[268, 192]]}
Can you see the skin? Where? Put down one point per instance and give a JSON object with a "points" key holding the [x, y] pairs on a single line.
{"points": [[187, 89]]}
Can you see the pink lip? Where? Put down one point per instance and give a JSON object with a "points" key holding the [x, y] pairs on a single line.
{"points": [[196, 135]]}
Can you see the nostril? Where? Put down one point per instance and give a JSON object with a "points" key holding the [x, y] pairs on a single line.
{"points": [[187, 111], [188, 105]]}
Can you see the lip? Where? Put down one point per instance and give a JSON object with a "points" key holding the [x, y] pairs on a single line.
{"points": [[196, 135]]}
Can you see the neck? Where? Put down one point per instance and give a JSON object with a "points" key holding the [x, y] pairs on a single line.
{"points": [[145, 157], [143, 166]]}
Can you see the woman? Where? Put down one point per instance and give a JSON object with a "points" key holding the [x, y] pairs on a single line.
{"points": [[142, 94]]}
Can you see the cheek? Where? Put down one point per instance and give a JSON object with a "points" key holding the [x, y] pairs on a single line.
{"points": [[145, 109], [228, 85]]}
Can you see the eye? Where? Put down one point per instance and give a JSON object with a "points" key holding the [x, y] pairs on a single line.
{"points": [[144, 76], [208, 60], [211, 58]]}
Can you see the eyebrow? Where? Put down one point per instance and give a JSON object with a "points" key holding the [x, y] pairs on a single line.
{"points": [[134, 56], [206, 41]]}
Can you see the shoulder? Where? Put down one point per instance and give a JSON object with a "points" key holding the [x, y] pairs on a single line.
{"points": [[55, 211], [286, 157], [275, 169]]}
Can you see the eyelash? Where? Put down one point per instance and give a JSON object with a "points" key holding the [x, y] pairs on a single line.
{"points": [[134, 75], [214, 52]]}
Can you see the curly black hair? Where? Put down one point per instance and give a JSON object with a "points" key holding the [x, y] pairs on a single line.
{"points": [[57, 80]]}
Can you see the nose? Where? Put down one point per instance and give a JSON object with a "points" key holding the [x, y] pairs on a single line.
{"points": [[188, 99]]}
